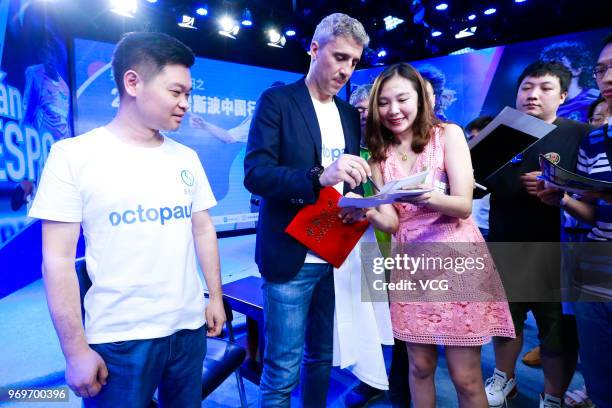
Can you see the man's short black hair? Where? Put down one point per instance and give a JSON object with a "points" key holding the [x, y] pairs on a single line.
{"points": [[539, 68], [148, 53], [479, 123]]}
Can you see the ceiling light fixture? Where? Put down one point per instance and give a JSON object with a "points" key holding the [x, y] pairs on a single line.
{"points": [[462, 51], [392, 22], [125, 8], [187, 21], [466, 32], [247, 18], [276, 39], [229, 27]]}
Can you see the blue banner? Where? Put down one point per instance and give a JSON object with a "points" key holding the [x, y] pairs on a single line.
{"points": [[34, 106], [484, 81], [216, 127]]}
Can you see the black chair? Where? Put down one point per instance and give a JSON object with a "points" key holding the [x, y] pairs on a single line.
{"points": [[223, 357]]}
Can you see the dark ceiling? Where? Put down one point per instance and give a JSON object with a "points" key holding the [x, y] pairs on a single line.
{"points": [[410, 41]]}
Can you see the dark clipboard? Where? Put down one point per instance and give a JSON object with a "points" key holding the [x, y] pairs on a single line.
{"points": [[509, 135]]}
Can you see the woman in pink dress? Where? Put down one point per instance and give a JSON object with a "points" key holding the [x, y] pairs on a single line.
{"points": [[404, 137]]}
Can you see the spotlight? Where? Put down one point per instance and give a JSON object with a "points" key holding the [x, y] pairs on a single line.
{"points": [[229, 27], [442, 6], [436, 33], [392, 22], [202, 11], [490, 11], [290, 32], [520, 1], [151, 1], [382, 53], [187, 21], [247, 18], [126, 8], [472, 17], [466, 32], [276, 39]]}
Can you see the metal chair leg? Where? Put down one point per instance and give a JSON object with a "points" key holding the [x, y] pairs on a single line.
{"points": [[241, 392]]}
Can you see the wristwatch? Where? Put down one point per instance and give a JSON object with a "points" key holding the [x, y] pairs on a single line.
{"points": [[313, 174]]}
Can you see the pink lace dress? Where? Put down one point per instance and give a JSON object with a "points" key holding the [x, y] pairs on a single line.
{"points": [[454, 323]]}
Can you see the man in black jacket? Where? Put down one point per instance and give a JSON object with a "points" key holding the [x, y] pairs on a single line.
{"points": [[302, 138]]}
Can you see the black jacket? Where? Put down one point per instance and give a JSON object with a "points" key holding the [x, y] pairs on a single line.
{"points": [[516, 216], [284, 143]]}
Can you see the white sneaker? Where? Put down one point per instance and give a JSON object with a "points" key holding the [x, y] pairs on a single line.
{"points": [[548, 401], [499, 389]]}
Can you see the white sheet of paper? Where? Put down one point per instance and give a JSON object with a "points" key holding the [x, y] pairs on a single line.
{"points": [[516, 120], [391, 191], [373, 201], [405, 183]]}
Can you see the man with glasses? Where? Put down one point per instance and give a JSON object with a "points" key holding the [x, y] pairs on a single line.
{"points": [[594, 318]]}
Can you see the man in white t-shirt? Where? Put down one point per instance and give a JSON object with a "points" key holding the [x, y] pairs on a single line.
{"points": [[302, 138], [142, 200]]}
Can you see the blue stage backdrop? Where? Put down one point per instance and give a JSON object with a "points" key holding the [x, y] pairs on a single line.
{"points": [[484, 81], [216, 127], [34, 105], [34, 113]]}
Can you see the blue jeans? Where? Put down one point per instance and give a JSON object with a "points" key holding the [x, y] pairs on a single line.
{"points": [[173, 364], [594, 321], [298, 320]]}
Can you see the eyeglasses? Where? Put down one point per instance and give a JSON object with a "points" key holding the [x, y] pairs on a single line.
{"points": [[600, 70]]}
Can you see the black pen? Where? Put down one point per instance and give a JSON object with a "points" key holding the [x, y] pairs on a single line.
{"points": [[373, 184]]}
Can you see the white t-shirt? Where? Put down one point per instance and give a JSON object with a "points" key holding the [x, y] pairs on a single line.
{"points": [[332, 145], [135, 205], [480, 211]]}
